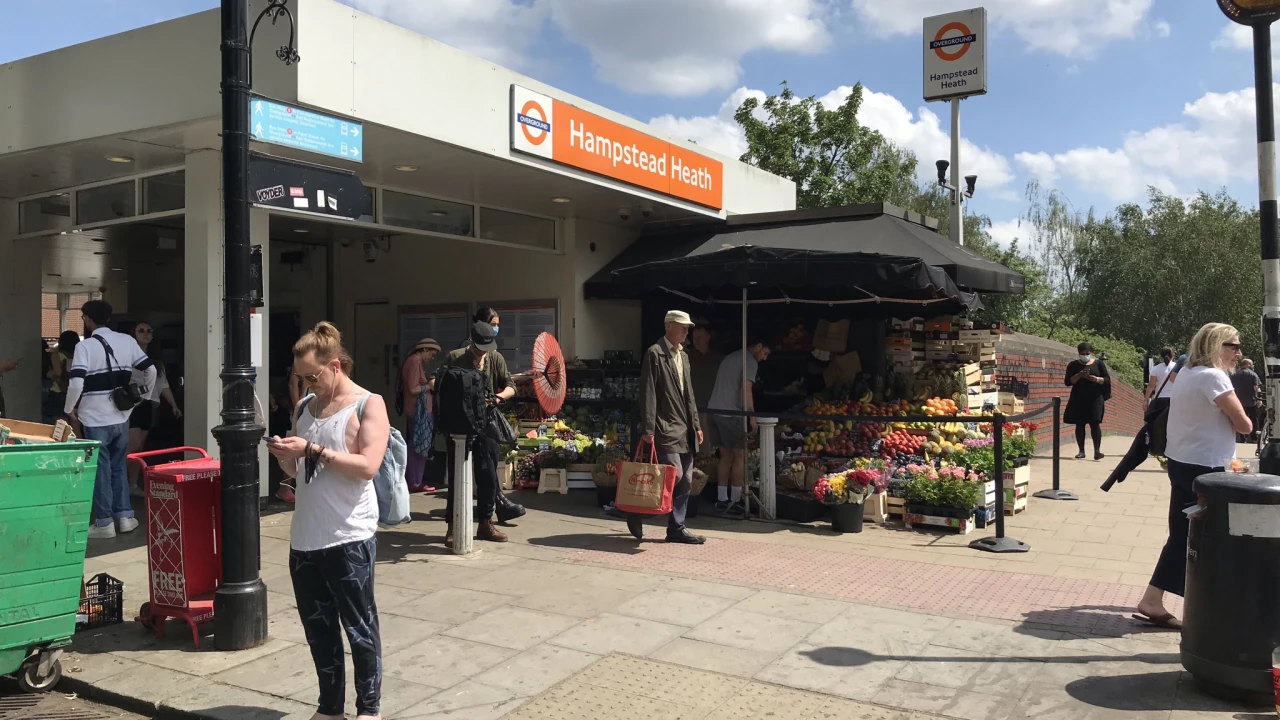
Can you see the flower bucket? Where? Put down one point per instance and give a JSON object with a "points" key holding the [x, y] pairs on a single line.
{"points": [[847, 517]]}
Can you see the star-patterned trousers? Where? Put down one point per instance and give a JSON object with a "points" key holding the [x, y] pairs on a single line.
{"points": [[336, 585]]}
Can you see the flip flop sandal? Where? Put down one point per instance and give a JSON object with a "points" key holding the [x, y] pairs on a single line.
{"points": [[1165, 621]]}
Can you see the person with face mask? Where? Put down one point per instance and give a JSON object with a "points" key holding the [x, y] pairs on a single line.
{"points": [[1090, 385]]}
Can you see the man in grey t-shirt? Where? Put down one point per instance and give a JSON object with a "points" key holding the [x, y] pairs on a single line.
{"points": [[733, 392], [1247, 384]]}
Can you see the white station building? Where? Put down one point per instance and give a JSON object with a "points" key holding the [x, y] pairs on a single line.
{"points": [[484, 187]]}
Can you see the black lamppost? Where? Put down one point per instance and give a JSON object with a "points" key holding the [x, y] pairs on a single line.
{"points": [[1259, 14], [240, 603]]}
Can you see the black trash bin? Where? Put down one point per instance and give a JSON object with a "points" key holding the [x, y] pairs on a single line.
{"points": [[1231, 613]]}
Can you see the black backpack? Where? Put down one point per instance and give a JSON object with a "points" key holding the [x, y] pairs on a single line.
{"points": [[460, 406]]}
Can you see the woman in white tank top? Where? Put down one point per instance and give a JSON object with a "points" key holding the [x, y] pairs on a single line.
{"points": [[334, 453]]}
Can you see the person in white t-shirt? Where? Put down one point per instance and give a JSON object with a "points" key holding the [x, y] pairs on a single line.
{"points": [[1204, 417], [1157, 387]]}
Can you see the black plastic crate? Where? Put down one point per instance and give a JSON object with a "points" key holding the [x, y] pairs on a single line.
{"points": [[103, 603], [1011, 384]]}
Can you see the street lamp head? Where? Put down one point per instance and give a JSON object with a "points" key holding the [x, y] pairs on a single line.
{"points": [[971, 182], [942, 171], [1251, 12]]}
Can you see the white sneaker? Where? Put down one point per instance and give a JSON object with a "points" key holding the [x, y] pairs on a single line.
{"points": [[99, 533], [126, 525]]}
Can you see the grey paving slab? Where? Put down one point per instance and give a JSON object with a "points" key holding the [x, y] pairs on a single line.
{"points": [[950, 702], [283, 673], [674, 607], [882, 640], [998, 639], [286, 626], [524, 579], [967, 670], [399, 632], [751, 631], [149, 684], [227, 702], [429, 576], [444, 661], [714, 658], [95, 667], [469, 697], [391, 597], [278, 602], [536, 669], [453, 606], [1049, 702], [714, 589], [176, 653], [610, 633], [481, 560], [833, 671], [397, 695], [795, 607], [513, 627], [579, 598]]}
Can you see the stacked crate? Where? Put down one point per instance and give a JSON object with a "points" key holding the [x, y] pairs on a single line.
{"points": [[905, 345]]}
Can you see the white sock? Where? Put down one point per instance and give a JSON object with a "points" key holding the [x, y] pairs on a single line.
{"points": [[722, 493], [737, 494]]}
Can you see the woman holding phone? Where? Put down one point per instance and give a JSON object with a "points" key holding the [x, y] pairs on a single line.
{"points": [[1090, 385]]}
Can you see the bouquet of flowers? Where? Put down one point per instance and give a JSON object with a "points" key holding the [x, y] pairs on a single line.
{"points": [[850, 486]]}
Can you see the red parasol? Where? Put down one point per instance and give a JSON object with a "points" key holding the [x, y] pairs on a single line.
{"points": [[548, 373]]}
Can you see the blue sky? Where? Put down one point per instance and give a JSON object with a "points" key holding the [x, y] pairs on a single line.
{"points": [[1099, 98]]}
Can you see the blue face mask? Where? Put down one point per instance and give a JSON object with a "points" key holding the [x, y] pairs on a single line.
{"points": [[495, 330], [1085, 358]]}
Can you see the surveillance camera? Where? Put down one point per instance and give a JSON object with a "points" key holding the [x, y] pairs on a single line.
{"points": [[370, 251], [646, 209], [970, 181], [942, 171], [624, 213]]}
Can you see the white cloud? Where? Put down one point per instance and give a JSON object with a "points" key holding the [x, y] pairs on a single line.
{"points": [[499, 31], [1006, 231], [1163, 29], [1234, 36], [1075, 28], [1214, 146], [685, 47], [922, 133]]}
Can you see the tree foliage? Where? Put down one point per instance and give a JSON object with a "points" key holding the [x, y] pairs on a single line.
{"points": [[1136, 278], [833, 158]]}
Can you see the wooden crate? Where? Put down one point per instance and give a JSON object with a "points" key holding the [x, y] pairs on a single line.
{"points": [[1019, 505], [895, 506], [876, 508], [960, 526]]}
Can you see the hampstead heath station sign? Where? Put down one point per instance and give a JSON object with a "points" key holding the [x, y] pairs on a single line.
{"points": [[955, 55], [562, 133]]}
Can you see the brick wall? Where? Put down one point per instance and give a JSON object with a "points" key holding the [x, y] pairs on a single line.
{"points": [[1043, 364]]}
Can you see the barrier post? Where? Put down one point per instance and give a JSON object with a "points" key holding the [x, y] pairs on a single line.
{"points": [[768, 469], [462, 486], [1057, 493], [1000, 543]]}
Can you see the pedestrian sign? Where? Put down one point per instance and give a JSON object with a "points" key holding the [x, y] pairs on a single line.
{"points": [[281, 124]]}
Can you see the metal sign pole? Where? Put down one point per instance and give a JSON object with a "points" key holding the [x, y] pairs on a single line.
{"points": [[957, 195], [462, 487]]}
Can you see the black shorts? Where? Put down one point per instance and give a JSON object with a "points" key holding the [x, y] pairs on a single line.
{"points": [[142, 415]]}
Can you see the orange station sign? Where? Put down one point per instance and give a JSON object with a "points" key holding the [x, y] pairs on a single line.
{"points": [[565, 134]]}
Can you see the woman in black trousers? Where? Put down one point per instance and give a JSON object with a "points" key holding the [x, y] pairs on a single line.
{"points": [[1090, 385], [1204, 417]]}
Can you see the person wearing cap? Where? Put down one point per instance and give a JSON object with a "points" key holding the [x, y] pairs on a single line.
{"points": [[669, 420], [412, 390], [482, 355]]}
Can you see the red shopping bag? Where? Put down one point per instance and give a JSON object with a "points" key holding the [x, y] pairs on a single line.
{"points": [[645, 488]]}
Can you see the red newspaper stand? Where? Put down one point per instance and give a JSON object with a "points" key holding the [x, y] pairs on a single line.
{"points": [[184, 539]]}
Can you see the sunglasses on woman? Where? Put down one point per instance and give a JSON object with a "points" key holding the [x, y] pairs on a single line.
{"points": [[313, 378], [1232, 346]]}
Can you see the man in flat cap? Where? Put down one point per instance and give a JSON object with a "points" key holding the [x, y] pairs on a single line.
{"points": [[669, 420]]}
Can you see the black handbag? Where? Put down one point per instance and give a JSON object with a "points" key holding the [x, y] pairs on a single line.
{"points": [[499, 430], [1157, 419], [126, 396]]}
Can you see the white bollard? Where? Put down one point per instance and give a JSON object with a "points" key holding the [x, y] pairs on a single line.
{"points": [[768, 469], [463, 490]]}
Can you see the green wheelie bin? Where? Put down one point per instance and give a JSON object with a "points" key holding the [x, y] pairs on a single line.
{"points": [[46, 498]]}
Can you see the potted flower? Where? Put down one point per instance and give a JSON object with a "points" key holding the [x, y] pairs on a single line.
{"points": [[942, 496], [845, 492]]}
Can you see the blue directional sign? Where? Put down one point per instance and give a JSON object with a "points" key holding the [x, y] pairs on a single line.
{"points": [[281, 124]]}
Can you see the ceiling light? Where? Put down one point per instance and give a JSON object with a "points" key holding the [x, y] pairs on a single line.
{"points": [[438, 213], [55, 274], [301, 230], [407, 168], [119, 159], [98, 252], [561, 200], [117, 269]]}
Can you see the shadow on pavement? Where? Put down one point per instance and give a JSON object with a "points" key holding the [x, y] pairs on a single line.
{"points": [[853, 657], [1107, 620], [619, 544], [1151, 692], [240, 712], [397, 545]]}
